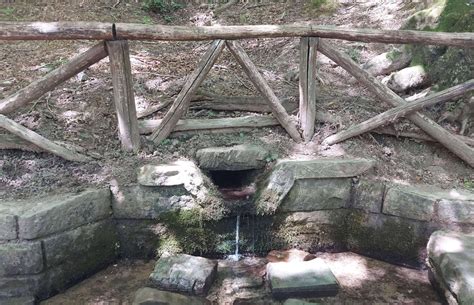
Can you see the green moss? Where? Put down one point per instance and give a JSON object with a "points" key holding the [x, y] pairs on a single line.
{"points": [[456, 17]]}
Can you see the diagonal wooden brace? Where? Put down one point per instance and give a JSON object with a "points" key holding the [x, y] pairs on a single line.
{"points": [[259, 82], [181, 104], [437, 132]]}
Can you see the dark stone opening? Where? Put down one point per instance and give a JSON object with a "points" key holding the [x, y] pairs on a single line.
{"points": [[233, 179]]}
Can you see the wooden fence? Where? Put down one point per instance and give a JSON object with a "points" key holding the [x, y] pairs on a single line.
{"points": [[114, 43]]}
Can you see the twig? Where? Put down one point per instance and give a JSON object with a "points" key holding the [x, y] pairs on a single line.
{"points": [[116, 4]]}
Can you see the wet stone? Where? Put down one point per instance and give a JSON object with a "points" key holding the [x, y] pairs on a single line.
{"points": [[184, 273], [301, 279], [149, 296]]}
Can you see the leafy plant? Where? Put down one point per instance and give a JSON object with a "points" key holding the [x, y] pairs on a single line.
{"points": [[354, 54], [469, 184], [147, 20], [8, 11], [161, 6]]}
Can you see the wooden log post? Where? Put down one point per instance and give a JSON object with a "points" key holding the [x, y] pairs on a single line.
{"points": [[181, 104], [47, 83], [394, 114], [259, 82], [40, 141], [307, 114], [124, 99], [451, 142]]}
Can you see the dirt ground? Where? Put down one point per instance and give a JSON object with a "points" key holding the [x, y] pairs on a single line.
{"points": [[362, 281], [81, 111]]}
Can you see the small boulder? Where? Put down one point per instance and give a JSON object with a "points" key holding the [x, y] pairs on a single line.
{"points": [[184, 273], [301, 279], [388, 62], [406, 79], [150, 296], [239, 157]]}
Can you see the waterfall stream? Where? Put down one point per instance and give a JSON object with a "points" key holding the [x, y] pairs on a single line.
{"points": [[236, 255]]}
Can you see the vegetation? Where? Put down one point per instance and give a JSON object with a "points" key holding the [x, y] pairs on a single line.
{"points": [[161, 6]]}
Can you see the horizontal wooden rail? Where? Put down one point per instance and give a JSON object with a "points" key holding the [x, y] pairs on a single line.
{"points": [[130, 31]]}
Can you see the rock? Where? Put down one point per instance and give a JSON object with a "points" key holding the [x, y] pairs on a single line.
{"points": [[458, 211], [184, 273], [292, 255], [312, 278], [7, 226], [153, 85], [142, 202], [19, 286], [18, 301], [452, 263], [48, 215], [388, 62], [317, 194], [150, 296], [409, 202], [17, 258], [239, 157], [406, 79], [299, 302], [283, 176], [368, 196]]}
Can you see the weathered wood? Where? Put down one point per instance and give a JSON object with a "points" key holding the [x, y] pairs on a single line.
{"points": [[147, 126], [417, 136], [154, 108], [124, 99], [40, 141], [237, 103], [47, 83], [130, 31], [257, 79], [9, 141], [385, 94], [392, 115], [181, 104], [307, 113]]}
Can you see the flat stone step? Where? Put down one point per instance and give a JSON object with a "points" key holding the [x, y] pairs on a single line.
{"points": [[184, 273], [301, 279], [148, 296], [451, 259]]}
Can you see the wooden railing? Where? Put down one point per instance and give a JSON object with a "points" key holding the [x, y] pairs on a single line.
{"points": [[115, 46]]}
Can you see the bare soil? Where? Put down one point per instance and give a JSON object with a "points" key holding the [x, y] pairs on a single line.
{"points": [[81, 111], [362, 281]]}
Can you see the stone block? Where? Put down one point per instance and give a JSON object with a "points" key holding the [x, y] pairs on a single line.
{"points": [[139, 239], [19, 258], [457, 211], [317, 194], [409, 202], [184, 273], [239, 157], [301, 279], [71, 245], [147, 296], [20, 286], [451, 259], [141, 202], [7, 227], [18, 301], [50, 215], [389, 238], [368, 196]]}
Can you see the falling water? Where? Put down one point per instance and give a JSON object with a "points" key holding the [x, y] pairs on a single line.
{"points": [[236, 255]]}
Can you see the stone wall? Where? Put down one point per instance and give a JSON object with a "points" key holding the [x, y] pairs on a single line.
{"points": [[50, 243]]}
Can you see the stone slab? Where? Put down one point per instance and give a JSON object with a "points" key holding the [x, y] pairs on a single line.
{"points": [[141, 202], [19, 286], [7, 227], [312, 278], [388, 238], [238, 157], [184, 273], [71, 245], [18, 301], [139, 239], [317, 194], [49, 215], [299, 302], [451, 259], [409, 202], [368, 196], [457, 211], [149, 296], [19, 258]]}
